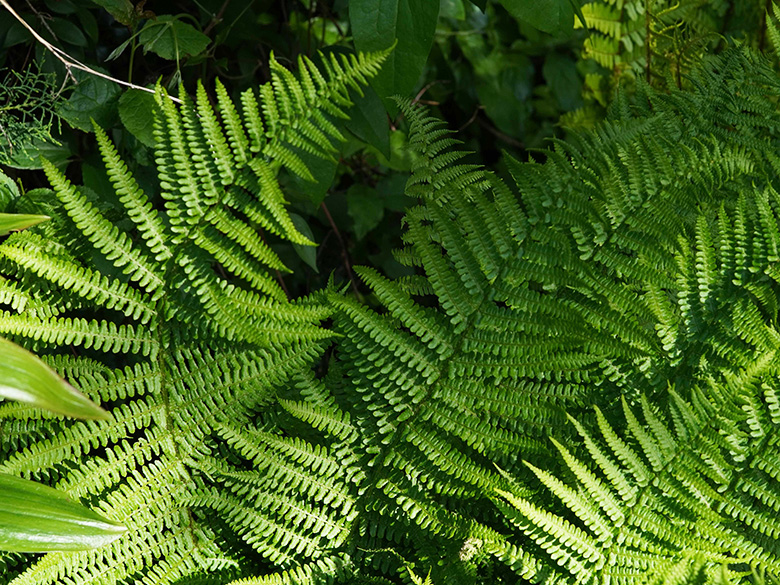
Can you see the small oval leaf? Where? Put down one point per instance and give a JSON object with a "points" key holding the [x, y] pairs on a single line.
{"points": [[37, 518]]}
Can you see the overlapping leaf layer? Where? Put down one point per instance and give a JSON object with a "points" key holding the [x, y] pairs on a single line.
{"points": [[621, 297], [181, 329]]}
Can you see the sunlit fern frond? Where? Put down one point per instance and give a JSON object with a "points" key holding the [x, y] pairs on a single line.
{"points": [[180, 328]]}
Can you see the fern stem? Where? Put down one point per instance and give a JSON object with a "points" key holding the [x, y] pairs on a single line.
{"points": [[344, 253]]}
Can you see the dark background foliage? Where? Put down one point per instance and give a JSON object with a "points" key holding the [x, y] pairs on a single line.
{"points": [[500, 82]]}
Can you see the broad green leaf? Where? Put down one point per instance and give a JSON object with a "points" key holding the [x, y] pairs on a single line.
{"points": [[368, 116], [172, 39], [368, 121], [560, 73], [89, 24], [9, 191], [504, 84], [122, 10], [365, 207], [10, 222], [37, 518], [24, 377], [136, 110], [401, 156], [323, 170], [306, 253], [392, 189], [117, 52], [452, 9], [16, 33], [575, 5], [93, 98], [481, 4], [377, 24], [68, 32], [550, 16], [61, 6], [28, 154]]}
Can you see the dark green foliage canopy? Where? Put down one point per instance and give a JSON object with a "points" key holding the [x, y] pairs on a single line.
{"points": [[576, 381]]}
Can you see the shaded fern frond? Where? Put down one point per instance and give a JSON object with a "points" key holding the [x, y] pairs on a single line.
{"points": [[636, 257], [705, 490]]}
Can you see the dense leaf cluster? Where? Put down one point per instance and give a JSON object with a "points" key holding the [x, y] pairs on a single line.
{"points": [[567, 373]]}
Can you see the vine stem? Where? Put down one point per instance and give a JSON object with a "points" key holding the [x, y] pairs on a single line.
{"points": [[71, 63], [217, 18]]}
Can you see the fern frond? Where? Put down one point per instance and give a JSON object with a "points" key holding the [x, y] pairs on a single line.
{"points": [[673, 496], [29, 253], [138, 207], [318, 571], [211, 350], [636, 258], [772, 28], [103, 235]]}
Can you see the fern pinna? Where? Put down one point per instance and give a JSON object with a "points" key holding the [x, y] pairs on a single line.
{"points": [[658, 41], [180, 328]]}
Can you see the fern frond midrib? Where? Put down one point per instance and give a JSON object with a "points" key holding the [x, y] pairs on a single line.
{"points": [[300, 115], [162, 365]]}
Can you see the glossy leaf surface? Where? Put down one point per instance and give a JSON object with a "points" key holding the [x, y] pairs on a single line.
{"points": [[37, 518], [24, 377], [377, 24], [10, 222]]}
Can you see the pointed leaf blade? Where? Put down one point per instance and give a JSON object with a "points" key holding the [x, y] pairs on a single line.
{"points": [[37, 518], [24, 377], [10, 222]]}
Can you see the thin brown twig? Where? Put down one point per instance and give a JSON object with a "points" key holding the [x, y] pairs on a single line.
{"points": [[344, 254], [473, 117], [71, 63], [217, 18], [281, 282], [424, 90], [327, 14], [500, 135], [41, 18]]}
